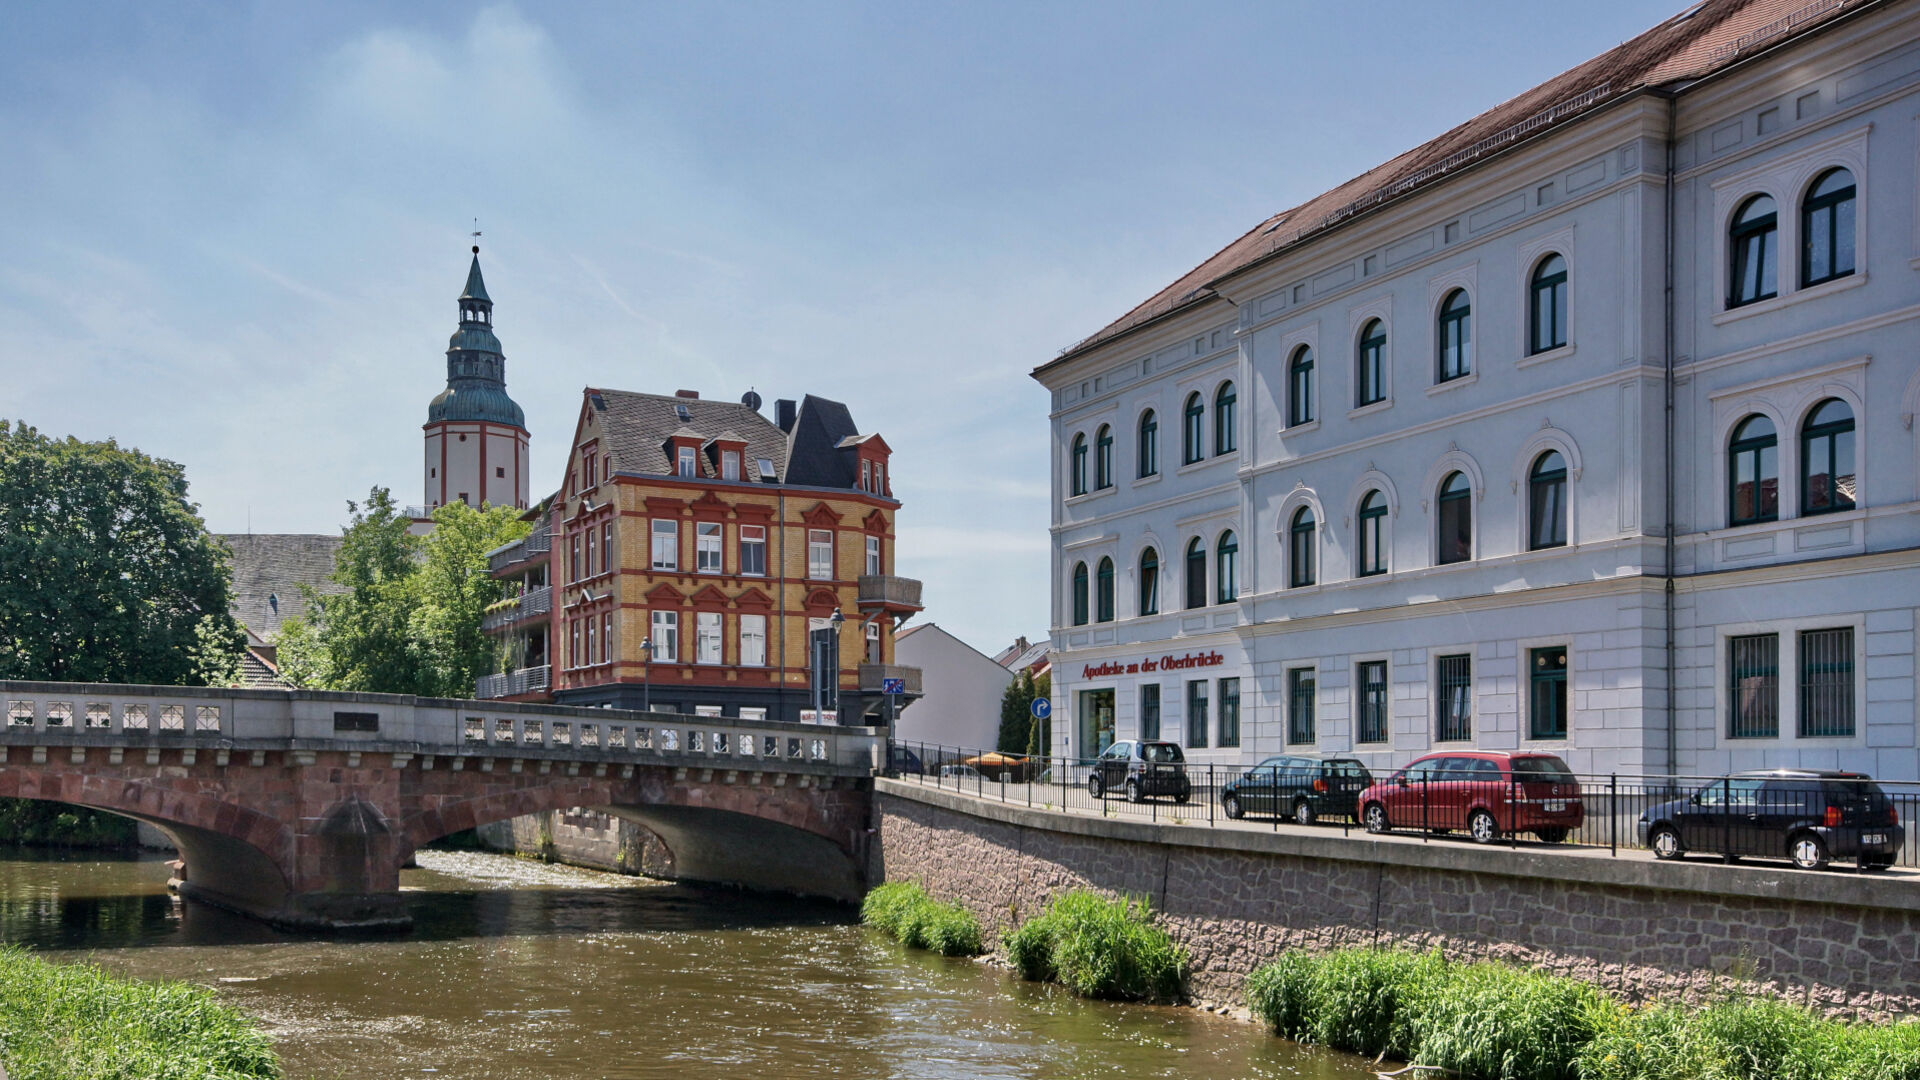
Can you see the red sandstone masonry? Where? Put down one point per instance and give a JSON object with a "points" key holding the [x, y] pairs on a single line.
{"points": [[1234, 910]]}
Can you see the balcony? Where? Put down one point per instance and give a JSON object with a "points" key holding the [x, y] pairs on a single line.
{"points": [[535, 601], [528, 680], [889, 593], [873, 675], [534, 545]]}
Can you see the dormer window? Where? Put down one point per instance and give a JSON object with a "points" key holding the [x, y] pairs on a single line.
{"points": [[765, 465], [729, 466], [866, 476], [687, 469], [879, 479]]}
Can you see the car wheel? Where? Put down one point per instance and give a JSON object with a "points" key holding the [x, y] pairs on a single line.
{"points": [[1552, 836], [1482, 827], [1185, 794], [1231, 804], [1303, 812], [1808, 851], [1665, 842], [1133, 791], [1096, 787], [1375, 818]]}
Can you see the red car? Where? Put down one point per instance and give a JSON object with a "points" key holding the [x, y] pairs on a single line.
{"points": [[1489, 793]]}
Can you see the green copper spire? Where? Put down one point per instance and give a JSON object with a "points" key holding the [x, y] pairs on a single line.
{"points": [[476, 368], [476, 288]]}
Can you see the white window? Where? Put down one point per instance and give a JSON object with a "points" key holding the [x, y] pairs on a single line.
{"points": [[766, 467], [707, 710], [606, 546], [593, 642], [666, 637], [753, 641], [707, 630], [606, 638], [866, 475], [820, 554], [873, 555], [873, 642], [752, 712], [687, 471], [666, 545], [879, 478], [706, 541], [753, 550], [729, 466]]}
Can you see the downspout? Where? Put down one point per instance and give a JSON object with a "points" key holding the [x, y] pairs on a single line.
{"points": [[1673, 705]]}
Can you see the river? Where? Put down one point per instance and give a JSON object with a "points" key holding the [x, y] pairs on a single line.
{"points": [[515, 969]]}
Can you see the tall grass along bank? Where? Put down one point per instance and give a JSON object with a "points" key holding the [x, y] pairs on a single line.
{"points": [[77, 1022], [903, 909], [1099, 948], [1491, 1021]]}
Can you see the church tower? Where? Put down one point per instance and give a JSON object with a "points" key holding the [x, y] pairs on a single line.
{"points": [[476, 435]]}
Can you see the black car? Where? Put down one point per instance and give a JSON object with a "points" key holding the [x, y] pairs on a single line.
{"points": [[1807, 815], [1141, 769], [1305, 789]]}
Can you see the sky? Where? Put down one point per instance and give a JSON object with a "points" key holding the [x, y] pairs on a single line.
{"points": [[231, 235]]}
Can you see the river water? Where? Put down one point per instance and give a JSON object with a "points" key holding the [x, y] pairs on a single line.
{"points": [[515, 969]]}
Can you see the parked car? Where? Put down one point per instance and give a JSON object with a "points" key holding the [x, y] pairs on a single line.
{"points": [[1807, 815], [1488, 793], [1306, 789], [959, 772], [1141, 769]]}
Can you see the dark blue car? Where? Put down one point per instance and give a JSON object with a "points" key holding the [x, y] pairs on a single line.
{"points": [[1807, 815]]}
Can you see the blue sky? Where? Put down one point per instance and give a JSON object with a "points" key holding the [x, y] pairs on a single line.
{"points": [[231, 235]]}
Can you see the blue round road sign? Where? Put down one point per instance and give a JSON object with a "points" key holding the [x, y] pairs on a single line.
{"points": [[1042, 708]]}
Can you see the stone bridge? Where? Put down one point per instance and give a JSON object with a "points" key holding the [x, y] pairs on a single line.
{"points": [[301, 807]]}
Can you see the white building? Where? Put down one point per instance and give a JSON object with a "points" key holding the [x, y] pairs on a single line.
{"points": [[962, 690], [1395, 471]]}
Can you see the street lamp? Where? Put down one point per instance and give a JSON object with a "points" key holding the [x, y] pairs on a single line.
{"points": [[646, 682]]}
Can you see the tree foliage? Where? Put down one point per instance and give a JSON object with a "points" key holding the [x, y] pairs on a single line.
{"points": [[107, 572], [1020, 733], [408, 621]]}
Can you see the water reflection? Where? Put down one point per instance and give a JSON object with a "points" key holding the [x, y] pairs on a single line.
{"points": [[519, 970]]}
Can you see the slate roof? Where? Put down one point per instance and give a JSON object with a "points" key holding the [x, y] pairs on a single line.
{"points": [[276, 565], [1693, 44], [814, 454], [636, 428]]}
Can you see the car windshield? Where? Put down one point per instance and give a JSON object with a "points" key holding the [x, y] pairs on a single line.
{"points": [[1161, 751], [1542, 770], [1856, 793]]}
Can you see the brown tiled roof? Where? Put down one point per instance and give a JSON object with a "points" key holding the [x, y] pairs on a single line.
{"points": [[268, 570], [637, 427], [1697, 42]]}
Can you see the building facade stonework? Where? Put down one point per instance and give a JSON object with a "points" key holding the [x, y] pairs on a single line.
{"points": [[1587, 427]]}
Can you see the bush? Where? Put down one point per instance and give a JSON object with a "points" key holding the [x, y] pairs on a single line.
{"points": [[1352, 999], [1748, 1039], [37, 823], [1505, 1023], [77, 1022], [1099, 948], [904, 910]]}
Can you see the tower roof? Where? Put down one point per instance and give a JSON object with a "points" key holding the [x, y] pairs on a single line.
{"points": [[476, 367], [476, 287]]}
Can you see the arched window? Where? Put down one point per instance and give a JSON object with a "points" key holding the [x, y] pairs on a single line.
{"points": [[1826, 229], [1078, 470], [1456, 518], [1192, 428], [1300, 387], [1103, 457], [1149, 582], [1300, 549], [1826, 459], [1456, 336], [1754, 240], [1149, 444], [1196, 573], [1753, 472], [1227, 568], [1103, 592], [1079, 594], [1370, 364], [1224, 438], [1547, 316], [1547, 502], [1373, 535]]}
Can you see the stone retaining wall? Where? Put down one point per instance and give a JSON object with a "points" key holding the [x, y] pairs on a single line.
{"points": [[1236, 898], [582, 838]]}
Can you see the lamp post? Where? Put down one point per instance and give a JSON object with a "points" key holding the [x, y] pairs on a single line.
{"points": [[646, 675], [821, 649]]}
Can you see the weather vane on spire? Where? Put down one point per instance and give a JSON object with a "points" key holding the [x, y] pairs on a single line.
{"points": [[476, 236]]}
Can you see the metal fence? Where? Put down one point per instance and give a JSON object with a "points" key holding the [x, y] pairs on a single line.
{"points": [[1853, 823]]}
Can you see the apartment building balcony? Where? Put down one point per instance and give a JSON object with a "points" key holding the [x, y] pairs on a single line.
{"points": [[533, 602], [530, 548], [889, 593], [873, 677], [527, 680]]}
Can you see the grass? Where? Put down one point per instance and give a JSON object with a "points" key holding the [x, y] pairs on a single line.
{"points": [[904, 910], [1099, 948], [77, 1022], [1492, 1021]]}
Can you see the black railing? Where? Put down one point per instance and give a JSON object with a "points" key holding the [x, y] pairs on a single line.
{"points": [[1851, 822]]}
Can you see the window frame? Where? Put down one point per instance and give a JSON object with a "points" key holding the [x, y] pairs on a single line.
{"points": [[1370, 358], [1830, 203], [1377, 517], [1753, 446], [1446, 502], [709, 629], [1103, 590], [1150, 711], [669, 539], [1077, 465], [1194, 556], [1539, 676], [1103, 457], [814, 563], [1746, 237], [876, 557], [1537, 479], [1193, 429], [1227, 722], [1849, 680], [709, 547], [664, 631], [1452, 685], [1147, 592], [1454, 327], [1372, 704], [1147, 448], [756, 567], [1226, 577], [747, 635], [1830, 431], [1302, 548], [1081, 595], [1736, 693], [1300, 385], [1555, 286], [1199, 714], [1226, 414], [1302, 688]]}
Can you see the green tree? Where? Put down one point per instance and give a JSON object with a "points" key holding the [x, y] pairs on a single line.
{"points": [[1020, 733], [107, 572], [408, 621]]}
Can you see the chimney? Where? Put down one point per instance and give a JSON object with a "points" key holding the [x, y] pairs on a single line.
{"points": [[783, 414], [694, 394]]}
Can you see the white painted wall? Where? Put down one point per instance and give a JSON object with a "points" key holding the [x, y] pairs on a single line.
{"points": [[962, 688]]}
